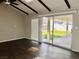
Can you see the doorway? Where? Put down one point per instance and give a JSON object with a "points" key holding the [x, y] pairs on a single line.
{"points": [[57, 30]]}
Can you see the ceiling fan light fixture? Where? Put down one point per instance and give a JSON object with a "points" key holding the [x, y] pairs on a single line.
{"points": [[7, 2], [28, 1]]}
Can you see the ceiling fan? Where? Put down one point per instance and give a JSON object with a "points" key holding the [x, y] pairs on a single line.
{"points": [[8, 2]]}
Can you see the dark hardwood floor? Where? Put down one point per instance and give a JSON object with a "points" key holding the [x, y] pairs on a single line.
{"points": [[19, 49]]}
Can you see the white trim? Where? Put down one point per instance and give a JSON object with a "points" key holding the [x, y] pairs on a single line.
{"points": [[10, 39], [60, 13], [75, 50]]}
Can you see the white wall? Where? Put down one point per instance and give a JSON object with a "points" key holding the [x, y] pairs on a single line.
{"points": [[12, 23], [75, 33]]}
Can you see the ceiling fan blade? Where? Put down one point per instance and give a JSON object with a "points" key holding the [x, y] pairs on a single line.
{"points": [[14, 3]]}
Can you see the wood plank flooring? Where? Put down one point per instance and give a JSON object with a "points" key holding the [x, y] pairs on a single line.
{"points": [[19, 49]]}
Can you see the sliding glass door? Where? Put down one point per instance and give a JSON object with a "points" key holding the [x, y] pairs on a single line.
{"points": [[62, 31], [57, 30]]}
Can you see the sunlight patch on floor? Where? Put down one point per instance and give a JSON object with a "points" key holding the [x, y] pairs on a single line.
{"points": [[33, 49], [38, 58]]}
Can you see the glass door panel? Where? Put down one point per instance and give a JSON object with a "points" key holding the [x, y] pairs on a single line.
{"points": [[44, 29], [34, 29], [51, 29], [69, 31], [61, 31], [47, 25]]}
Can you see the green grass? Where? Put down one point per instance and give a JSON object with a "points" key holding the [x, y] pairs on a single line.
{"points": [[56, 34]]}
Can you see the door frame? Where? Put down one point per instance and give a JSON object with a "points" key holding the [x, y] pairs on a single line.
{"points": [[40, 25]]}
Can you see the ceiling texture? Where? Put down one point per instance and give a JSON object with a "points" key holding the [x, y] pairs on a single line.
{"points": [[46, 6]]}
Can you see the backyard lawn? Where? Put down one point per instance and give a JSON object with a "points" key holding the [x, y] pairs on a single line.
{"points": [[56, 34]]}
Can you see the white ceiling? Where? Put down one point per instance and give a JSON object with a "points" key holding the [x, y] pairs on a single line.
{"points": [[54, 5]]}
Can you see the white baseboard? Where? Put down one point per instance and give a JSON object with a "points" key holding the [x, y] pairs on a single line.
{"points": [[75, 50], [10, 39]]}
